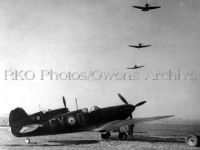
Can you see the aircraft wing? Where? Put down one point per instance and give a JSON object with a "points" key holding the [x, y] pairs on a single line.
{"points": [[146, 45], [116, 125], [139, 7], [131, 68], [153, 7], [133, 46]]}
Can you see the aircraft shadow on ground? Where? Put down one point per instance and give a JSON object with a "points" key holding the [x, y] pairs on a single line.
{"points": [[74, 142], [55, 143], [59, 143], [153, 139]]}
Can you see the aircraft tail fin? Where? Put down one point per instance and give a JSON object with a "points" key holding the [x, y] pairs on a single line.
{"points": [[17, 119]]}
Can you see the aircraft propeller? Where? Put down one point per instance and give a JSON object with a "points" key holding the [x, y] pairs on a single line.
{"points": [[125, 101], [122, 98], [138, 104]]}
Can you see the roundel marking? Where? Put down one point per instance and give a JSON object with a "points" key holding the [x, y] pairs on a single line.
{"points": [[71, 120], [38, 118]]}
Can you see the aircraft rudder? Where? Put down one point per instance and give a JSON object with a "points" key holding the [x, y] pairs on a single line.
{"points": [[17, 119]]}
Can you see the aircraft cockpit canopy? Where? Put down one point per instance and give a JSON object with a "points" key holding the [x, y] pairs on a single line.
{"points": [[94, 108], [46, 111], [84, 110]]}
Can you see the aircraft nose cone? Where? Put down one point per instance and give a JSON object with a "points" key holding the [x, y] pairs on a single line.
{"points": [[127, 109], [132, 108]]}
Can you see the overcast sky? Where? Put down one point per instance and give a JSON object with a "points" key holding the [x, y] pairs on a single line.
{"points": [[93, 35]]}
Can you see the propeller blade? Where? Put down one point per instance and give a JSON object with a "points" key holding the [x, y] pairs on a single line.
{"points": [[140, 103], [122, 98], [64, 102]]}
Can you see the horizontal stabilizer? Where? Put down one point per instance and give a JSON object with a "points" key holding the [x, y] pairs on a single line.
{"points": [[4, 126], [30, 128]]}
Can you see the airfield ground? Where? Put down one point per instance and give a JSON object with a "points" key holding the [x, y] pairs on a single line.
{"points": [[158, 137]]}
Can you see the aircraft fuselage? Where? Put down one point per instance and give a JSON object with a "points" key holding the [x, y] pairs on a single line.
{"points": [[75, 121]]}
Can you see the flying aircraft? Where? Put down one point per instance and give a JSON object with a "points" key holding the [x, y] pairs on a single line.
{"points": [[147, 7], [62, 121], [136, 67], [140, 45]]}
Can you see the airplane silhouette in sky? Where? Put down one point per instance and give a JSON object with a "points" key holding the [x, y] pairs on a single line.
{"points": [[136, 67], [140, 45], [146, 7]]}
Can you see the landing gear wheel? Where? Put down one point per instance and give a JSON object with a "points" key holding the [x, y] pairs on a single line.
{"points": [[192, 140], [27, 140], [105, 136], [122, 136]]}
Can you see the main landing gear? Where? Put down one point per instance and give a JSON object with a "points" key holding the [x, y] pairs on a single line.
{"points": [[27, 141], [122, 136], [105, 135]]}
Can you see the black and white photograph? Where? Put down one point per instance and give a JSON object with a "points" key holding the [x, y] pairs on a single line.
{"points": [[99, 74]]}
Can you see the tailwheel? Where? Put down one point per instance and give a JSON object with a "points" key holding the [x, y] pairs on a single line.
{"points": [[27, 141], [122, 136], [192, 140], [105, 135]]}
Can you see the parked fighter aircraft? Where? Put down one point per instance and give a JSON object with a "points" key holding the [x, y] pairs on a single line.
{"points": [[147, 7], [140, 45], [136, 67], [59, 121]]}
